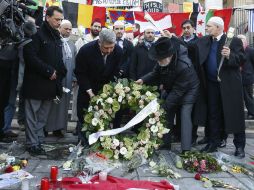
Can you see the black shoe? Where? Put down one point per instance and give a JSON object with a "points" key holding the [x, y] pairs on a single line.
{"points": [[11, 134], [58, 133], [6, 139], [239, 153], [203, 141], [223, 143], [209, 148], [194, 141], [250, 117], [35, 150]]}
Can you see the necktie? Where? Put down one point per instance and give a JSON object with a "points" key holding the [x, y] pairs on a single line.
{"points": [[105, 59]]}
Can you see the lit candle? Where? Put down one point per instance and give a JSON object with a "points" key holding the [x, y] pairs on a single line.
{"points": [[45, 183], [53, 173], [103, 176]]}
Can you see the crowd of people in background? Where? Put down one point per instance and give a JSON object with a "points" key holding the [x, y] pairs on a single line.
{"points": [[51, 68]]}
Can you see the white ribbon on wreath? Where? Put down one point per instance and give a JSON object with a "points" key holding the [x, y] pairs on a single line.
{"points": [[150, 108]]}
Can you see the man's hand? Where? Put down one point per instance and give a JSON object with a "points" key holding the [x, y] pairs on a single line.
{"points": [[166, 33], [90, 93], [225, 52], [53, 76], [139, 81]]}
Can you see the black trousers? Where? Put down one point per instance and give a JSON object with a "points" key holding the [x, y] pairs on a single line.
{"points": [[5, 78], [82, 104], [248, 98], [216, 117]]}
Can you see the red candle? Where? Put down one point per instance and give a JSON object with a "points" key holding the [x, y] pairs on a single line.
{"points": [[53, 173], [45, 183]]}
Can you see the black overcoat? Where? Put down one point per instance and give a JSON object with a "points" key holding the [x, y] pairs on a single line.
{"points": [[231, 82], [42, 57]]}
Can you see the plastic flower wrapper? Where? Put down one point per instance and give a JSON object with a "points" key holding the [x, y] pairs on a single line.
{"points": [[208, 183], [234, 165], [164, 169], [136, 161], [176, 159]]}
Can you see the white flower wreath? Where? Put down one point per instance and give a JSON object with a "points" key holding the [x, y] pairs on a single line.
{"points": [[102, 110]]}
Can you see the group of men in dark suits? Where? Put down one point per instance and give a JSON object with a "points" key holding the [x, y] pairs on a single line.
{"points": [[218, 104]]}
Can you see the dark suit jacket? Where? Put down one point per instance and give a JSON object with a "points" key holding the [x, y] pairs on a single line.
{"points": [[126, 59], [248, 67], [91, 72], [140, 64]]}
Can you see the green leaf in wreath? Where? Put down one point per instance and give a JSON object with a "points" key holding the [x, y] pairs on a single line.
{"points": [[107, 88], [108, 153], [88, 118], [116, 106], [125, 82]]}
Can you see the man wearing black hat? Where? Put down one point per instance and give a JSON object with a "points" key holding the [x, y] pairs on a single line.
{"points": [[178, 77]]}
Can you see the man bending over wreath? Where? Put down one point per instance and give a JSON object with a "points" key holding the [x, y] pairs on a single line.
{"points": [[96, 64], [179, 79]]}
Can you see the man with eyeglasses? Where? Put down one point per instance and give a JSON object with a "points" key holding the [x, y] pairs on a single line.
{"points": [[97, 63], [43, 76]]}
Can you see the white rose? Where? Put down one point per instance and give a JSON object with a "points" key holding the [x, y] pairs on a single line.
{"points": [[154, 128], [152, 121], [126, 89], [116, 156], [123, 151], [141, 102], [120, 98], [96, 108], [101, 112], [95, 121], [160, 135], [110, 111], [96, 115], [116, 142], [109, 100], [148, 93], [99, 101], [90, 108], [157, 114]]}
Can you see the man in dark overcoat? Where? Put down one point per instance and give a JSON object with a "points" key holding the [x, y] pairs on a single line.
{"points": [[97, 63], [126, 46], [43, 76], [247, 70], [224, 98], [180, 81]]}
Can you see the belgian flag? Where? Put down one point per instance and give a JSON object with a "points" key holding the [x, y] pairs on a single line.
{"points": [[81, 14]]}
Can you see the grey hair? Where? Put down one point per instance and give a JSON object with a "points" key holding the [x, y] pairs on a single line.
{"points": [[108, 36]]}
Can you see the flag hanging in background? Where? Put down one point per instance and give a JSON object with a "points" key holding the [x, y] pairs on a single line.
{"points": [[126, 16], [251, 20], [81, 14], [177, 19], [203, 17], [161, 19]]}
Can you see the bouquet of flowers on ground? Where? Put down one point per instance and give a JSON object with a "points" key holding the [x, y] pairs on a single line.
{"points": [[164, 169], [214, 183], [199, 162]]}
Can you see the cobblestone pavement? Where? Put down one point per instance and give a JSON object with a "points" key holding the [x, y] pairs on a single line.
{"points": [[40, 166]]}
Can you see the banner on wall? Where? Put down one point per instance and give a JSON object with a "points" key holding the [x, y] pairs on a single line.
{"points": [[116, 3], [152, 5], [187, 7]]}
